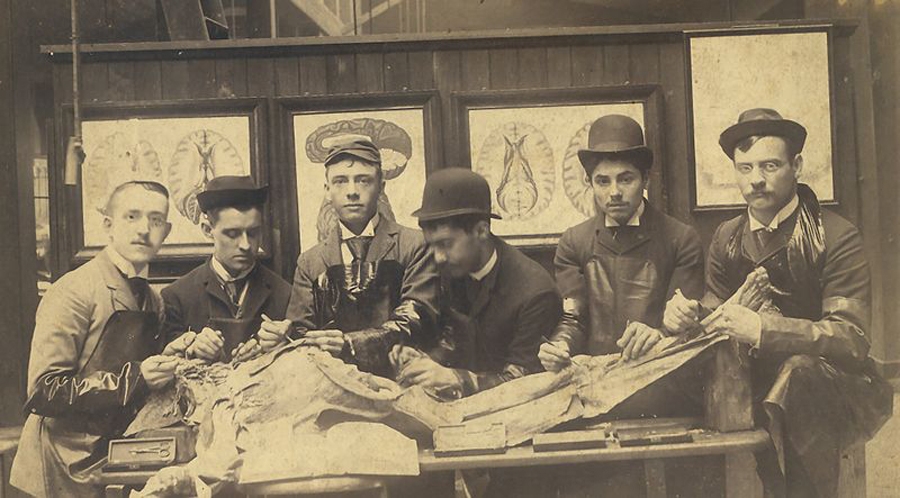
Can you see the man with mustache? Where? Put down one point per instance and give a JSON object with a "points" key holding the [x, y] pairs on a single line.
{"points": [[95, 353], [371, 284], [815, 386], [616, 270], [230, 306]]}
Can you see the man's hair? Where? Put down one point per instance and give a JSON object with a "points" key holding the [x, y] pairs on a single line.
{"points": [[745, 143], [159, 188], [213, 214], [353, 160], [464, 222], [644, 170]]}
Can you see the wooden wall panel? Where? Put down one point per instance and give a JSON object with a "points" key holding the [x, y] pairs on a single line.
{"points": [[420, 78], [341, 73], [674, 164], [476, 70], [587, 65], [370, 72], [287, 76], [504, 68], [260, 77], [448, 79], [121, 81], [201, 78], [94, 82], [396, 71], [174, 80], [231, 78], [844, 133], [616, 64], [147, 80], [559, 67], [313, 75], [643, 63], [532, 67]]}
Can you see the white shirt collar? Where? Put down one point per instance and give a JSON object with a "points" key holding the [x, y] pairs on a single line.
{"points": [[369, 231], [782, 215], [634, 221], [125, 266], [483, 272], [223, 274]]}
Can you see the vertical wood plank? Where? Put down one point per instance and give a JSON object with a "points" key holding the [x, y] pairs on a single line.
{"points": [[341, 73], [615, 64], [121, 81], [370, 72], [287, 76], [260, 77], [655, 478], [844, 167], [396, 71], [62, 83], [559, 67], [313, 75], [231, 78], [147, 80], [476, 70], [852, 474], [175, 82], [643, 63], [728, 396], [448, 79], [677, 177], [587, 65], [202, 78], [504, 68], [532, 67], [741, 478], [423, 70], [94, 81]]}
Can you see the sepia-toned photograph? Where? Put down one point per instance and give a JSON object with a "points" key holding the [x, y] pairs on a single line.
{"points": [[449, 249]]}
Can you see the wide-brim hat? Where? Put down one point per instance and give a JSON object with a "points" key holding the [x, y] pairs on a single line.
{"points": [[227, 191], [616, 136], [358, 146], [453, 192], [765, 123]]}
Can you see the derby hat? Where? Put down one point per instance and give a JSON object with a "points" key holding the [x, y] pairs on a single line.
{"points": [[358, 146], [453, 192], [764, 123], [616, 136], [227, 191]]}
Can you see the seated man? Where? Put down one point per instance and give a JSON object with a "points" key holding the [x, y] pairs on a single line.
{"points": [[371, 284], [616, 270], [810, 368], [95, 351], [497, 303], [229, 300]]}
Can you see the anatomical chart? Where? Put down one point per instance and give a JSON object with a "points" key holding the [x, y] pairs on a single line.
{"points": [[181, 153], [399, 136], [529, 157]]}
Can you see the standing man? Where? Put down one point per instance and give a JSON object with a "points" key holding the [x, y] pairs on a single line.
{"points": [[498, 303], [229, 300], [371, 283], [96, 335], [616, 270], [810, 368]]}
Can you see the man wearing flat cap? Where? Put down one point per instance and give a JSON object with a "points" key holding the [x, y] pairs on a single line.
{"points": [[230, 305], [371, 283], [815, 386], [616, 270], [497, 303]]}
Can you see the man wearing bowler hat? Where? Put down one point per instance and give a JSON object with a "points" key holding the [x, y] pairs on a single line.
{"points": [[497, 303], [816, 388], [230, 305], [616, 270], [371, 283]]}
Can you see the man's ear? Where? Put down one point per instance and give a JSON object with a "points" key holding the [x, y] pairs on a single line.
{"points": [[107, 224], [797, 165], [205, 226], [483, 229]]}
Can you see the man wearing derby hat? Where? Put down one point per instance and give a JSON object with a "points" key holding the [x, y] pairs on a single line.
{"points": [[230, 305], [816, 387], [497, 303], [616, 270], [371, 283]]}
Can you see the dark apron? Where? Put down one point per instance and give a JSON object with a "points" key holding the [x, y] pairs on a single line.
{"points": [[234, 331], [73, 448]]}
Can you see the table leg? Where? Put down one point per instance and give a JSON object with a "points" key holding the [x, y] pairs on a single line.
{"points": [[741, 478], [655, 477]]}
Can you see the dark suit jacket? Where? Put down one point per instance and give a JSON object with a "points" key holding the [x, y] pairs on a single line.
{"points": [[198, 296], [497, 334], [607, 281]]}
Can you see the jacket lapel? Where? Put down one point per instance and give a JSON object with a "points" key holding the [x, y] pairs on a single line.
{"points": [[331, 249], [628, 238], [755, 251], [213, 287], [257, 293], [385, 239], [487, 285], [122, 296]]}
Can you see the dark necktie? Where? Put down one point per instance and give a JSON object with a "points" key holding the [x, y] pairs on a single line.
{"points": [[764, 237], [233, 288], [359, 247], [140, 289]]}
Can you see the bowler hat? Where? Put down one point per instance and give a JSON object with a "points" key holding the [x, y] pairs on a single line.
{"points": [[616, 136], [226, 191], [764, 123], [453, 192], [357, 146]]}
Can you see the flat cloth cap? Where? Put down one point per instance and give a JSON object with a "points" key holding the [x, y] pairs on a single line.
{"points": [[357, 146], [227, 191]]}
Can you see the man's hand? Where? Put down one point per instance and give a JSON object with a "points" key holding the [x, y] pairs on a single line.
{"points": [[682, 314], [429, 374], [740, 323], [246, 350], [272, 333], [329, 340], [207, 346], [180, 345], [554, 356], [158, 370], [637, 340]]}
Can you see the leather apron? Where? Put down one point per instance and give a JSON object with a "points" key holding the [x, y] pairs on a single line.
{"points": [[73, 448]]}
